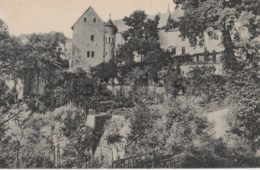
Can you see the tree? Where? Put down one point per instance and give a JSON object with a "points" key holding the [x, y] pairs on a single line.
{"points": [[203, 82], [10, 54], [80, 139], [142, 36], [212, 16], [105, 71], [174, 81], [243, 92], [42, 61], [142, 137]]}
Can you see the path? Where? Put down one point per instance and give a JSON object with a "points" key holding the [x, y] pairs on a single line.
{"points": [[218, 118]]}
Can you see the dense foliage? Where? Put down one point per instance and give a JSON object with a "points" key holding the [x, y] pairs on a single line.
{"points": [[212, 17], [47, 126]]}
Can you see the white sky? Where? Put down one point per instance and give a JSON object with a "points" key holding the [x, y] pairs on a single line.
{"points": [[28, 16]]}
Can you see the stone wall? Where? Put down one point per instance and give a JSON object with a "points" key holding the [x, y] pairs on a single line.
{"points": [[108, 152]]}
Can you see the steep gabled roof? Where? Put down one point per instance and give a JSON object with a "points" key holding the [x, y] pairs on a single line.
{"points": [[89, 8]]}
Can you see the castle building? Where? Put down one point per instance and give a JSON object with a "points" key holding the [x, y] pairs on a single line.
{"points": [[93, 40]]}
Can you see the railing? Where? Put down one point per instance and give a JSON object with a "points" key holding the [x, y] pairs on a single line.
{"points": [[171, 162], [133, 162], [156, 159], [200, 58]]}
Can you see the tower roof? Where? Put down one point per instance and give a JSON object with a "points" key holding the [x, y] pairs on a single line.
{"points": [[109, 23]]}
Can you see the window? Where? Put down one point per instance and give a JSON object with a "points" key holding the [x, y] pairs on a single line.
{"points": [[88, 53], [85, 19], [205, 49], [92, 37], [94, 20], [183, 50], [109, 39], [173, 50], [92, 54]]}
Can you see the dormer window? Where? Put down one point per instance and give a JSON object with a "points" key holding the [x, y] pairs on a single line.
{"points": [[94, 20], [85, 19]]}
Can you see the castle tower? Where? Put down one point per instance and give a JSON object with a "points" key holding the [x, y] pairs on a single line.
{"points": [[110, 35]]}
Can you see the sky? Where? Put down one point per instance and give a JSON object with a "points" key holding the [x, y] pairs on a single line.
{"points": [[43, 16]]}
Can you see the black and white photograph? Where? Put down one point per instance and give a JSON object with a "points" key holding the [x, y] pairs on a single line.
{"points": [[115, 84]]}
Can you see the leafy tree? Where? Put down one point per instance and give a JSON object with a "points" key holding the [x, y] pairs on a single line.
{"points": [[142, 36], [218, 154], [203, 82], [185, 125], [243, 95], [142, 137], [211, 16], [9, 53], [43, 58], [174, 81], [80, 140], [105, 71], [75, 87]]}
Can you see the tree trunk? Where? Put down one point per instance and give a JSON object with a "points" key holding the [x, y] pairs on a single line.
{"points": [[15, 89], [117, 150], [18, 155], [53, 146], [38, 81], [112, 156], [229, 59]]}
